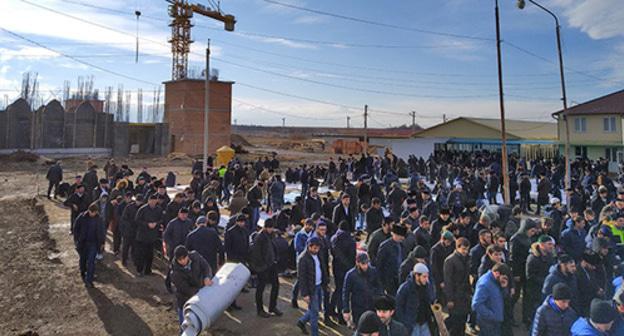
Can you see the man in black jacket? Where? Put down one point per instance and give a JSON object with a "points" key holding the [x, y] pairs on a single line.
{"points": [[176, 231], [374, 217], [54, 176], [312, 277], [189, 273], [263, 262], [78, 203], [361, 286], [385, 307], [343, 212], [312, 203], [205, 240], [343, 249], [89, 237], [389, 259], [149, 219], [457, 287], [129, 229]]}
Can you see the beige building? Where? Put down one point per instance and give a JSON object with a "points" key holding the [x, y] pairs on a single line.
{"points": [[595, 128]]}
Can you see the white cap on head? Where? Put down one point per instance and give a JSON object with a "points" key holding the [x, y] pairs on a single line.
{"points": [[555, 200], [421, 268]]}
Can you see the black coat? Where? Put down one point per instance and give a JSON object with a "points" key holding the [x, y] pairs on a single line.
{"points": [[312, 205], [145, 215], [55, 173], [388, 261], [175, 234], [89, 231], [262, 255], [306, 274], [339, 215], [374, 219], [551, 321], [206, 241], [439, 253], [456, 281], [189, 280], [128, 221], [237, 244], [80, 201], [343, 250], [359, 291]]}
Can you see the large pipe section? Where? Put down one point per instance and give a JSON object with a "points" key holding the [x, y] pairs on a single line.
{"points": [[203, 309]]}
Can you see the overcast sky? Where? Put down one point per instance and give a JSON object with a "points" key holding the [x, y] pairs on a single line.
{"points": [[430, 56]]}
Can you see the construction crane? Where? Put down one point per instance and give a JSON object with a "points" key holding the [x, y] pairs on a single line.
{"points": [[181, 12]]}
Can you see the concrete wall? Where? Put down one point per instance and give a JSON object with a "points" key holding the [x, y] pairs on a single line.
{"points": [[121, 143], [19, 124], [3, 128], [184, 112], [52, 125]]}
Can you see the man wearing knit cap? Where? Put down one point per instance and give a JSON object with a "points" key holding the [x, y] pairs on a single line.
{"points": [[389, 259], [385, 308], [488, 301], [361, 286], [591, 283], [601, 318], [368, 325], [417, 255], [312, 277], [563, 272], [555, 316], [414, 300], [540, 259]]}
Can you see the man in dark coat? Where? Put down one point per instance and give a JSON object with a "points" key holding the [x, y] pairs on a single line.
{"points": [[374, 217], [149, 219], [312, 277], [54, 176], [520, 246], [263, 260], [237, 241], [422, 233], [543, 191], [205, 240], [439, 252], [379, 236], [78, 203], [538, 264], [176, 231], [344, 212], [563, 272], [396, 197], [361, 286], [389, 259], [414, 299], [89, 235], [189, 273], [457, 287], [385, 307], [129, 229], [254, 197], [555, 316], [343, 251], [90, 180], [312, 203]]}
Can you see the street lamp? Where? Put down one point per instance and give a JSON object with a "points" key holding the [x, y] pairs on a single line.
{"points": [[521, 4]]}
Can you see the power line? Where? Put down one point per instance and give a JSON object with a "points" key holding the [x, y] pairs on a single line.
{"points": [[376, 23]]}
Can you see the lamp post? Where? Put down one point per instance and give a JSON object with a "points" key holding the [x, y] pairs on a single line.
{"points": [[521, 4], [501, 100]]}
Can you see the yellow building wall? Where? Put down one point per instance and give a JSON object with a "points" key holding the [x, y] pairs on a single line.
{"points": [[595, 133], [461, 128]]}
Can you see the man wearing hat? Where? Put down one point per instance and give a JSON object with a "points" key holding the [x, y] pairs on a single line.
{"points": [[520, 247], [413, 301], [149, 219], [591, 284], [369, 325], [456, 287], [488, 301], [89, 236], [361, 286], [601, 319], [389, 259], [176, 231], [556, 212], [103, 187], [555, 316], [417, 255], [538, 264], [344, 212], [237, 241], [429, 207], [189, 273], [385, 308], [300, 244], [343, 249], [78, 202], [443, 219], [263, 262], [312, 278], [205, 240], [600, 200], [563, 272]]}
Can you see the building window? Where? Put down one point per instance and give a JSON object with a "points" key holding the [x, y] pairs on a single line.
{"points": [[580, 151], [611, 154], [608, 124], [580, 125]]}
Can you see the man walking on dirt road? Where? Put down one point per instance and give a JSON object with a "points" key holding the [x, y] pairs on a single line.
{"points": [[89, 235]]}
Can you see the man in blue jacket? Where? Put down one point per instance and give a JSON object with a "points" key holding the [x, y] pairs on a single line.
{"points": [[89, 235], [205, 240], [573, 239], [313, 277], [413, 302], [555, 316], [488, 301], [563, 272], [176, 231], [600, 323]]}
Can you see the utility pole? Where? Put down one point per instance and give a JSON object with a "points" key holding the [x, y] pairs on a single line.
{"points": [[206, 107], [444, 118], [283, 122], [348, 122], [366, 129], [504, 168], [413, 114]]}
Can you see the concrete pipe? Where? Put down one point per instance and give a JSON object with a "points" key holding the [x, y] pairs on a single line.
{"points": [[203, 309]]}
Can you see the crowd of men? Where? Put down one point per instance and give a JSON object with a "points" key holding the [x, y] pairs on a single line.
{"points": [[376, 254]]}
